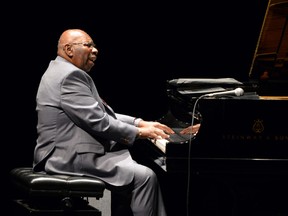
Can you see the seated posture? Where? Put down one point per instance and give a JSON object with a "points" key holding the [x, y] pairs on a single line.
{"points": [[79, 134]]}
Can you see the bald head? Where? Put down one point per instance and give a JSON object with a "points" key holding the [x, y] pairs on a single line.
{"points": [[77, 47], [71, 36]]}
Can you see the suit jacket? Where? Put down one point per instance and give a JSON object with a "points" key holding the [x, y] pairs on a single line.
{"points": [[76, 130]]}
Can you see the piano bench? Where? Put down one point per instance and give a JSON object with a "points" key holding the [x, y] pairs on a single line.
{"points": [[43, 194]]}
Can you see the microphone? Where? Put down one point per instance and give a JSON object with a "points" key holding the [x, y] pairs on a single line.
{"points": [[235, 92]]}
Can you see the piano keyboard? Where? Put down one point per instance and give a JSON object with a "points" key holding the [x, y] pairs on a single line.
{"points": [[174, 138], [160, 143]]}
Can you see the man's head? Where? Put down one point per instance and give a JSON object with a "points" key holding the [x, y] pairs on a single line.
{"points": [[77, 47]]}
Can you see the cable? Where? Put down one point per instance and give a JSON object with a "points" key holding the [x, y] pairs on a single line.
{"points": [[189, 155]]}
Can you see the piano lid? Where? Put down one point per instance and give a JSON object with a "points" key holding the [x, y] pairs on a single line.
{"points": [[269, 66]]}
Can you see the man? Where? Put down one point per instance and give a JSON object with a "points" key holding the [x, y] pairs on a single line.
{"points": [[79, 134]]}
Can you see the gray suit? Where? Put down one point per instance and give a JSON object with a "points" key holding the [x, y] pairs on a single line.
{"points": [[77, 133]]}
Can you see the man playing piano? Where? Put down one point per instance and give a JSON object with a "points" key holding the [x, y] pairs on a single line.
{"points": [[79, 134]]}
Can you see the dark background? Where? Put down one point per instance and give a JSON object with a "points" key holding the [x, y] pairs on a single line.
{"points": [[141, 46]]}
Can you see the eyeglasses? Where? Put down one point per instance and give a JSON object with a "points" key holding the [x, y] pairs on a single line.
{"points": [[87, 44]]}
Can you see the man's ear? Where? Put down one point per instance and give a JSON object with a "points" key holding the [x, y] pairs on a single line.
{"points": [[68, 50]]}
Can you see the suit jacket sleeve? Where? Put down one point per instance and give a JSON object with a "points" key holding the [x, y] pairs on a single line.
{"points": [[81, 102]]}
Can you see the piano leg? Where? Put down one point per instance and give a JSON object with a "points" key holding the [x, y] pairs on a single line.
{"points": [[207, 195]]}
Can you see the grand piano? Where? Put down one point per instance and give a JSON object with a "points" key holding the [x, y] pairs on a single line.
{"points": [[237, 163]]}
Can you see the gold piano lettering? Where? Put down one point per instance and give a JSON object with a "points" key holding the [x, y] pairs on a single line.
{"points": [[242, 137]]}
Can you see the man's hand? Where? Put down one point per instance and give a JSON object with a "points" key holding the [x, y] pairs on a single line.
{"points": [[191, 129], [154, 130]]}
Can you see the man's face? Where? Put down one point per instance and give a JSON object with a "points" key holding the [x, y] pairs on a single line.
{"points": [[84, 54]]}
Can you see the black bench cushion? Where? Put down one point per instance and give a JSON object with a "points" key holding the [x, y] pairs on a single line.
{"points": [[41, 184]]}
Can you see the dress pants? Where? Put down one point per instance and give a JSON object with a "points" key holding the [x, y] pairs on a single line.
{"points": [[140, 198]]}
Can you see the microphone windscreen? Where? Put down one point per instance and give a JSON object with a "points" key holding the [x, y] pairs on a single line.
{"points": [[239, 91]]}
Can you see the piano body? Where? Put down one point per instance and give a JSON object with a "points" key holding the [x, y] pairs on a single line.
{"points": [[240, 130], [237, 164]]}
